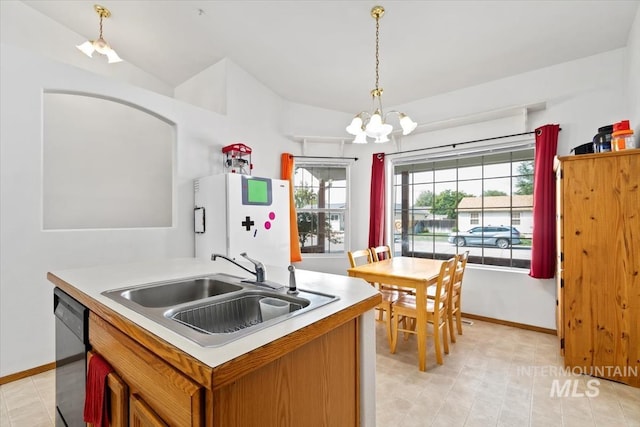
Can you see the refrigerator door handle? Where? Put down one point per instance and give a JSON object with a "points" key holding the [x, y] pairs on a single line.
{"points": [[199, 220]]}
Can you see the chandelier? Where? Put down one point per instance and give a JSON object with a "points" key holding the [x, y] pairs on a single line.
{"points": [[374, 125], [100, 45]]}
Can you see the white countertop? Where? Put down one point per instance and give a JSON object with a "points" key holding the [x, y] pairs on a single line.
{"points": [[93, 281]]}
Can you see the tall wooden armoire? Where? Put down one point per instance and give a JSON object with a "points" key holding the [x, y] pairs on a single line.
{"points": [[599, 264]]}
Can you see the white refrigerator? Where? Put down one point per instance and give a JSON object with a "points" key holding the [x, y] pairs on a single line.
{"points": [[237, 213]]}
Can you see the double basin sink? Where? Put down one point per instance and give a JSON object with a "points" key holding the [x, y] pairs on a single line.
{"points": [[216, 309]]}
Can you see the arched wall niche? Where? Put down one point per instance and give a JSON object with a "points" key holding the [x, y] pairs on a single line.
{"points": [[106, 164]]}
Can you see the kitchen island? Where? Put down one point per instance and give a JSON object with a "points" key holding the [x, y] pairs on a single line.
{"points": [[317, 368]]}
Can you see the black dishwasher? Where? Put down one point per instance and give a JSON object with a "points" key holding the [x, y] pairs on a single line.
{"points": [[72, 343]]}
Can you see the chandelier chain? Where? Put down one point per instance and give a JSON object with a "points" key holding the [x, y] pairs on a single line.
{"points": [[373, 124], [377, 53], [100, 26]]}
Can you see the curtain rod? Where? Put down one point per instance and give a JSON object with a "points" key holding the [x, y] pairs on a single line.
{"points": [[453, 145], [324, 157]]}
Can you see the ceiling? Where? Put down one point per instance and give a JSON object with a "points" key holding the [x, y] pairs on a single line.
{"points": [[323, 53]]}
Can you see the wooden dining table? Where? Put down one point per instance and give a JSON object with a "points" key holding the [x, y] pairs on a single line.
{"points": [[407, 272]]}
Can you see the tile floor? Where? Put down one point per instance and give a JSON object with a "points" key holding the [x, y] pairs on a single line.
{"points": [[494, 376], [29, 402]]}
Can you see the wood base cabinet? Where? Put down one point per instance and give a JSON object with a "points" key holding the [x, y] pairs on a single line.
{"points": [[599, 264], [315, 383]]}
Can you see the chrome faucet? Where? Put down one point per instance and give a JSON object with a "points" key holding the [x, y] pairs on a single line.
{"points": [[260, 272]]}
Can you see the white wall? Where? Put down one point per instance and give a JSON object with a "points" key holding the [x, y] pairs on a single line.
{"points": [[28, 252], [580, 95], [207, 89]]}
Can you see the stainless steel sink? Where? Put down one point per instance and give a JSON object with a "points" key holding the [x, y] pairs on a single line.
{"points": [[169, 294], [213, 310]]}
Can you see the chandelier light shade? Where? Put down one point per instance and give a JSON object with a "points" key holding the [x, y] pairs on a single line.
{"points": [[374, 124], [100, 45]]}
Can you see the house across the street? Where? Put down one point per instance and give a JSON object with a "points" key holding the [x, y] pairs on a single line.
{"points": [[515, 210]]}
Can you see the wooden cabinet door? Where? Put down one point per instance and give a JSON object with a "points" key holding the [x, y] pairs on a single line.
{"points": [[584, 252], [119, 402], [142, 415], [117, 399], [600, 269], [314, 385]]}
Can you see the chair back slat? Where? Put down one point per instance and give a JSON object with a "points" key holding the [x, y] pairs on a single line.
{"points": [[445, 281], [381, 252], [359, 257], [461, 266]]}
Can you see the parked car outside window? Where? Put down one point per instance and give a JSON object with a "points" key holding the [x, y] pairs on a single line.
{"points": [[499, 236]]}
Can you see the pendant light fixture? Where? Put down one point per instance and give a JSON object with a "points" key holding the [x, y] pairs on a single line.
{"points": [[101, 46], [374, 124]]}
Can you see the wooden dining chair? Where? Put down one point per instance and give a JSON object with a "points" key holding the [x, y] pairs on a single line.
{"points": [[389, 296], [456, 296], [360, 257], [406, 311], [380, 253], [454, 301]]}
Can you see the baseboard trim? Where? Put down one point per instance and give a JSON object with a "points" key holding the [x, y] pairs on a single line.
{"points": [[508, 323], [29, 372]]}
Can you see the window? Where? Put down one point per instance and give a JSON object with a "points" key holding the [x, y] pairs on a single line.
{"points": [[321, 199], [474, 218], [450, 205], [515, 218]]}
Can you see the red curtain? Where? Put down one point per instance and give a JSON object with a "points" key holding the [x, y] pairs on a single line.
{"points": [[376, 207], [543, 250], [286, 172]]}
